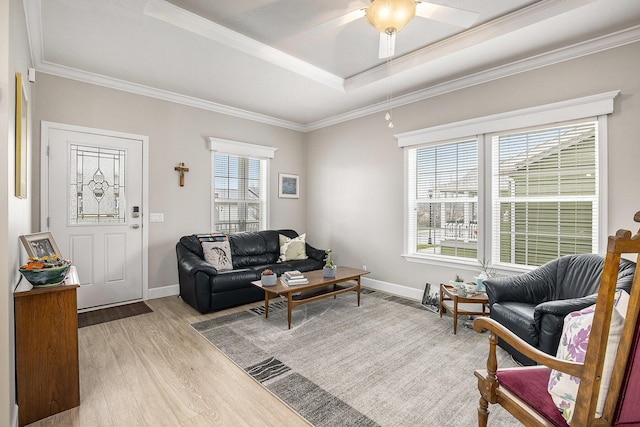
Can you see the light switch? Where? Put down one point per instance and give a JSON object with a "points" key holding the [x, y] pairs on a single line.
{"points": [[156, 217]]}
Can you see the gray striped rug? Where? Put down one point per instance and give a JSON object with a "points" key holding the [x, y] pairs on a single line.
{"points": [[389, 362]]}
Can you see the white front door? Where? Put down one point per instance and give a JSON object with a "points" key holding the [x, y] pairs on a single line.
{"points": [[94, 201]]}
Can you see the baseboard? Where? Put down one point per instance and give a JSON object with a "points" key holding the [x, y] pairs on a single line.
{"points": [[379, 285], [14, 416], [392, 288], [165, 291]]}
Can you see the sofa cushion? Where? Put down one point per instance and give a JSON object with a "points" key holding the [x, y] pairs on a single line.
{"points": [[254, 248], [573, 346], [530, 385], [292, 249], [518, 318], [218, 254], [230, 280]]}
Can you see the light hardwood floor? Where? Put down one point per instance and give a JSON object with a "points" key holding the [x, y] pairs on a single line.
{"points": [[155, 370]]}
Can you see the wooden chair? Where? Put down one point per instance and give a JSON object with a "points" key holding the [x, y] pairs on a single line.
{"points": [[523, 391]]}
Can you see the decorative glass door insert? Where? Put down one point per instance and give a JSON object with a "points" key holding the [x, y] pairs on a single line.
{"points": [[97, 179]]}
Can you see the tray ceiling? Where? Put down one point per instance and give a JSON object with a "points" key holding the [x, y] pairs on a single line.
{"points": [[266, 60]]}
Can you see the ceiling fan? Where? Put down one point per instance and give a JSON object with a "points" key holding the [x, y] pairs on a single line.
{"points": [[390, 16]]}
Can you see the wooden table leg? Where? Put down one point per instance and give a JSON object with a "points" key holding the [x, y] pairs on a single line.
{"points": [[266, 304], [358, 291], [289, 302], [441, 303], [455, 314]]}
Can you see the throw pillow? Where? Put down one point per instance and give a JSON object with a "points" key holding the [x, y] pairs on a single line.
{"points": [[292, 249], [218, 254], [573, 346]]}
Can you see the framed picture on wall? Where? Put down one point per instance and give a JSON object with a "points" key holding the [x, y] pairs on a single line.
{"points": [[21, 137], [289, 186], [40, 244]]}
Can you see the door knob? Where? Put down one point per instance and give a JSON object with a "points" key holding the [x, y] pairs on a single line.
{"points": [[135, 226]]}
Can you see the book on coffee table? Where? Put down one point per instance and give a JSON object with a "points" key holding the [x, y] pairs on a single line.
{"points": [[292, 282], [293, 275]]}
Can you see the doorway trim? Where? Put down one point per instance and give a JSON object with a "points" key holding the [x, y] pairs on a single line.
{"points": [[45, 127]]}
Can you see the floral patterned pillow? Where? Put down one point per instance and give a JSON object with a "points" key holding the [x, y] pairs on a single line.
{"points": [[573, 346], [292, 249]]}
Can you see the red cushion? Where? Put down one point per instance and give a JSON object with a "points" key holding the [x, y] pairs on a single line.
{"points": [[530, 385], [628, 412]]}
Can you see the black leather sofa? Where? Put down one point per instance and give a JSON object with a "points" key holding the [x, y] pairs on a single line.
{"points": [[206, 289], [533, 305]]}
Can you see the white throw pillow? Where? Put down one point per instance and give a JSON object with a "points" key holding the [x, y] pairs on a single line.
{"points": [[218, 254], [563, 388], [292, 249]]}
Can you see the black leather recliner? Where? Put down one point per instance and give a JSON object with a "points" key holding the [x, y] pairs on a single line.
{"points": [[533, 305]]}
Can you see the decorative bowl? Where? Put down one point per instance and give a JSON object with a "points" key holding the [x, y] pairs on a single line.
{"points": [[268, 279], [328, 272], [46, 276], [471, 287]]}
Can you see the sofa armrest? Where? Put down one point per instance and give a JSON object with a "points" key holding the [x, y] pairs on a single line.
{"points": [[313, 253], [549, 319], [190, 263], [563, 307]]}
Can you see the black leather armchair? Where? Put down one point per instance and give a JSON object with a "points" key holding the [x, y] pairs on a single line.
{"points": [[533, 305]]}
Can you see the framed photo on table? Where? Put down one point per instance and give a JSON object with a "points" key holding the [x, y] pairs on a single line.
{"points": [[40, 244], [289, 186]]}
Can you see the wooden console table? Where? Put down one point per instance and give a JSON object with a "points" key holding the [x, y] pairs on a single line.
{"points": [[47, 371]]}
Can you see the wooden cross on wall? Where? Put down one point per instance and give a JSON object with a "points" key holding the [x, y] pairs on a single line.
{"points": [[180, 168]]}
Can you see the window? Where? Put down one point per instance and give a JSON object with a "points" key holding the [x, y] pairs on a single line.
{"points": [[239, 200], [239, 186], [443, 199], [524, 189], [545, 193]]}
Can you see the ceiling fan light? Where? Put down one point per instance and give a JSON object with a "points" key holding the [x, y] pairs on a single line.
{"points": [[390, 16]]}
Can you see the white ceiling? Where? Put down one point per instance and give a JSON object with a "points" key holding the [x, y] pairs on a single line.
{"points": [[265, 60]]}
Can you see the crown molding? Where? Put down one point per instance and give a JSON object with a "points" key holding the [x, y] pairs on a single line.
{"points": [[174, 15], [100, 80], [482, 33], [578, 50]]}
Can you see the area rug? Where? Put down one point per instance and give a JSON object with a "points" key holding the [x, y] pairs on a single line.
{"points": [[95, 317], [389, 362]]}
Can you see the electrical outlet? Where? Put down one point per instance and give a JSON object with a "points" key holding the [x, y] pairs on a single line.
{"points": [[364, 267]]}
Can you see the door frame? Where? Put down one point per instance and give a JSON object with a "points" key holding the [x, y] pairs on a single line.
{"points": [[45, 127]]}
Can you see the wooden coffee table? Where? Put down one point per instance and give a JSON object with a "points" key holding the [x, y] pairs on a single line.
{"points": [[448, 293], [316, 282]]}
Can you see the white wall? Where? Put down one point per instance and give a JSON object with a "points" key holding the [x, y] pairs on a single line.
{"points": [[352, 174], [356, 172], [177, 133], [14, 220]]}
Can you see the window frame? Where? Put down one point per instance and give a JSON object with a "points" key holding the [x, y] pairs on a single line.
{"points": [[242, 149], [595, 107]]}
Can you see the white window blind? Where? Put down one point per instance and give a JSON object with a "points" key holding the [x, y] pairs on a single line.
{"points": [[545, 193], [443, 199], [240, 193], [239, 174]]}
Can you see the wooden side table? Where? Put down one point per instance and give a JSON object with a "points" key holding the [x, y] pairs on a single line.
{"points": [[448, 293], [47, 371]]}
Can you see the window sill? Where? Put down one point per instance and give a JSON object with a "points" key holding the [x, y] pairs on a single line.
{"points": [[464, 264]]}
